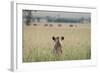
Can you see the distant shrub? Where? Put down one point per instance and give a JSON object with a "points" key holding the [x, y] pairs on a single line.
{"points": [[27, 24], [71, 25], [50, 25], [45, 24], [59, 25], [34, 24]]}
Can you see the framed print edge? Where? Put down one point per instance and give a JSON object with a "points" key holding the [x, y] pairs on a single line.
{"points": [[13, 37], [16, 38]]}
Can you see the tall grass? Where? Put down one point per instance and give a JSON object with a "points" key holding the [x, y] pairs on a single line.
{"points": [[38, 43]]}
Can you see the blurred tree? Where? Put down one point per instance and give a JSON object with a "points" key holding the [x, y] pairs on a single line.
{"points": [[29, 17]]}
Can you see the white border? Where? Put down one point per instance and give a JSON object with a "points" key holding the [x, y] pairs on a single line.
{"points": [[17, 38]]}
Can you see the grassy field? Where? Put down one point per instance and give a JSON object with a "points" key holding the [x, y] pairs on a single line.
{"points": [[38, 43]]}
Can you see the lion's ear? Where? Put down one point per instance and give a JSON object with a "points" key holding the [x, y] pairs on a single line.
{"points": [[62, 38], [53, 38]]}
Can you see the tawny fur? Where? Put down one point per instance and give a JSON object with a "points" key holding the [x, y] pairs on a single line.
{"points": [[58, 45]]}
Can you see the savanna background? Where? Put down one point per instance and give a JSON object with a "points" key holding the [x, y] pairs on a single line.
{"points": [[40, 26]]}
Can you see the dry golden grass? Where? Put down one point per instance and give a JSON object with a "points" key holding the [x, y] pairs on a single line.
{"points": [[38, 43]]}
